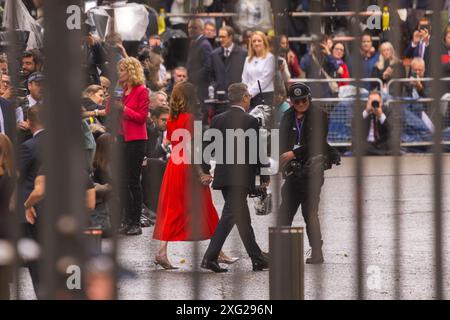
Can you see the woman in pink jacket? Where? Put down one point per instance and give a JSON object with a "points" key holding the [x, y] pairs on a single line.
{"points": [[135, 104]]}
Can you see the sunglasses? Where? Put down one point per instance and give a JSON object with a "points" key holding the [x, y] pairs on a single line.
{"points": [[302, 100]]}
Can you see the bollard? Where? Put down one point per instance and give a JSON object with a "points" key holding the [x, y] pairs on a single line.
{"points": [[286, 274]]}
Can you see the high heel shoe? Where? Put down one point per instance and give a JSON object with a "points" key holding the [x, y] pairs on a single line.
{"points": [[223, 258], [164, 263]]}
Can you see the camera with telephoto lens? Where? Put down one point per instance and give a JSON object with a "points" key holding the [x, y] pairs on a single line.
{"points": [[375, 104], [262, 201]]}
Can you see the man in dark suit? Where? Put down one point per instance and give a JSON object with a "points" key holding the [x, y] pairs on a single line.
{"points": [[304, 155], [420, 45], [227, 61], [30, 162], [235, 177], [199, 59], [377, 126], [157, 150], [7, 119]]}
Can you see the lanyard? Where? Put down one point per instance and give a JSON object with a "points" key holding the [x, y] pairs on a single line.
{"points": [[298, 124]]}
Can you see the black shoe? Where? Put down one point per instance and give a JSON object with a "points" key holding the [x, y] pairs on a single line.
{"points": [[212, 265], [315, 258], [261, 263], [124, 228], [134, 230], [146, 222]]}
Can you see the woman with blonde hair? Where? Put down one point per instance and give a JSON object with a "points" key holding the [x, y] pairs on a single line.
{"points": [[134, 107], [387, 65], [174, 218], [259, 65]]}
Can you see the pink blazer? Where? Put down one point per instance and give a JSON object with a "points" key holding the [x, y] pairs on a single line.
{"points": [[135, 113]]}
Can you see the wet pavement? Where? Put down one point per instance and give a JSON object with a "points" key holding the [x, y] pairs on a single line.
{"points": [[337, 277]]}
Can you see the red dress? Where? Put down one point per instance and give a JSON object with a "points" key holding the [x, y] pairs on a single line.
{"points": [[173, 220]]}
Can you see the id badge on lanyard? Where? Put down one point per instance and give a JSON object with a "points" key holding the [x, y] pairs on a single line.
{"points": [[298, 125]]}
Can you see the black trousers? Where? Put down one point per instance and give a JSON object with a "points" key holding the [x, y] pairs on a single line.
{"points": [[235, 211], [152, 177], [131, 184], [296, 192], [31, 231]]}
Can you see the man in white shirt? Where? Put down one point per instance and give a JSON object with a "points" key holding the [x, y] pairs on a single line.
{"points": [[377, 126]]}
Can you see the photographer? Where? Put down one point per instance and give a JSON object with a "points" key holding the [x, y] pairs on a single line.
{"points": [[377, 126], [305, 154], [420, 43], [416, 88]]}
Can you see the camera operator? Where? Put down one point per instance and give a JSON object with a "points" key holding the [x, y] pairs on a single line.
{"points": [[416, 88], [93, 54], [377, 126], [305, 154], [420, 43]]}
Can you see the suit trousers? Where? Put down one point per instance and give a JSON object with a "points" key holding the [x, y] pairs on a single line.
{"points": [[131, 184], [305, 192], [235, 211], [30, 231]]}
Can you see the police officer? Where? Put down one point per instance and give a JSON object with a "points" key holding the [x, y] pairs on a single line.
{"points": [[304, 154]]}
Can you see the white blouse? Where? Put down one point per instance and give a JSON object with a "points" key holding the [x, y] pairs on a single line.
{"points": [[262, 69]]}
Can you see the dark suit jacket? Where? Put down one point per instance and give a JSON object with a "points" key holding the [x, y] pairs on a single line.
{"points": [[314, 133], [408, 89], [232, 175], [199, 65], [9, 118], [226, 71], [411, 52], [30, 162], [384, 130], [153, 148]]}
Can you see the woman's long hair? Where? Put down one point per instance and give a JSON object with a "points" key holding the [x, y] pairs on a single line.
{"points": [[394, 60], [183, 99], [6, 155], [103, 153], [134, 70], [251, 52], [91, 90]]}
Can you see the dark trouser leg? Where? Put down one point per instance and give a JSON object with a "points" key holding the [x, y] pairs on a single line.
{"points": [[30, 231], [310, 212], [123, 182], [134, 155], [243, 221], [234, 211], [290, 201]]}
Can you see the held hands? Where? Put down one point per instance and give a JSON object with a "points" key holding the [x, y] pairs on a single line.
{"points": [[205, 179]]}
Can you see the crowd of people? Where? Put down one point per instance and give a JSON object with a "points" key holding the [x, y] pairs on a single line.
{"points": [[218, 83]]}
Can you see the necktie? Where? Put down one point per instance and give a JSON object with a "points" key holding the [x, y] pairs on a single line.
{"points": [[421, 45], [227, 53], [376, 134]]}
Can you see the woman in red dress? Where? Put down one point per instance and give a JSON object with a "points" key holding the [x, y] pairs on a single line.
{"points": [[174, 214]]}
